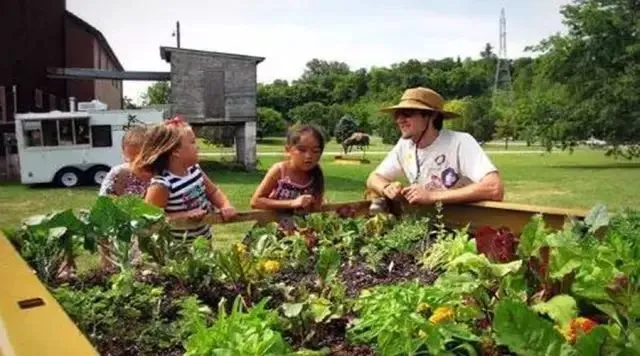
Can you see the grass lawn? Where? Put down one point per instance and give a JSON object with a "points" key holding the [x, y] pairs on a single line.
{"points": [[276, 144], [557, 179]]}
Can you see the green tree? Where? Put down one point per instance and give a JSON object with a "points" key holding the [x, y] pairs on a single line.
{"points": [[506, 127], [270, 123], [157, 93], [476, 117], [599, 62], [325, 116], [346, 127]]}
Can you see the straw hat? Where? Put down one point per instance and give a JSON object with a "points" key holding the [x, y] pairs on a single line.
{"points": [[421, 99]]}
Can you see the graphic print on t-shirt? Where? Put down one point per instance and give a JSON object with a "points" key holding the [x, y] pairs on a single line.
{"points": [[195, 197], [450, 177], [442, 175]]}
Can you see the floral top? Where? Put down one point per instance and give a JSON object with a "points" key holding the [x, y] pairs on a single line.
{"points": [[287, 189], [130, 184]]}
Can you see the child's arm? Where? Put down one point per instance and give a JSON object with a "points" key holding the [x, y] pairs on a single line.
{"points": [[318, 201], [157, 195], [261, 200], [215, 195]]}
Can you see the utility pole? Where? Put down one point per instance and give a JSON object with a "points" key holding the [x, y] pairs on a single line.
{"points": [[176, 33]]}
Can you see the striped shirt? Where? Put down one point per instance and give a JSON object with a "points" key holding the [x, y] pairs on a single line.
{"points": [[186, 193]]}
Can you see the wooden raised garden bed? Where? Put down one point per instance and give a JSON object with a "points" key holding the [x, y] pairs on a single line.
{"points": [[338, 282]]}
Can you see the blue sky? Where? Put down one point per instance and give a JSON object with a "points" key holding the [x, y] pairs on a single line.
{"points": [[289, 32]]}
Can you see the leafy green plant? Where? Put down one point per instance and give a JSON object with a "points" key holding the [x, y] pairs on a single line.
{"points": [[301, 317], [403, 320], [327, 266], [114, 222], [526, 333], [137, 315], [254, 332], [446, 249], [402, 237], [197, 268], [50, 242]]}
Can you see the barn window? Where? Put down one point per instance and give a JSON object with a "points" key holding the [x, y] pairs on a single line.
{"points": [[37, 100]]}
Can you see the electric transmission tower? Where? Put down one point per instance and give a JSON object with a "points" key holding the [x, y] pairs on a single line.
{"points": [[502, 85]]}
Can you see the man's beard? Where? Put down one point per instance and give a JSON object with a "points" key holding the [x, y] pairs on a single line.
{"points": [[414, 136]]}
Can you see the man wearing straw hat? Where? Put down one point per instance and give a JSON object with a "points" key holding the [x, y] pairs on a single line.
{"points": [[440, 164]]}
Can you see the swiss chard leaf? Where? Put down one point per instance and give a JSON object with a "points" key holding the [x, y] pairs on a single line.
{"points": [[292, 310], [525, 333], [592, 343], [137, 208], [328, 264], [598, 217], [482, 266], [532, 237], [561, 308]]}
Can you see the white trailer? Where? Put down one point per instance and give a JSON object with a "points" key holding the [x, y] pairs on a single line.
{"points": [[69, 148]]}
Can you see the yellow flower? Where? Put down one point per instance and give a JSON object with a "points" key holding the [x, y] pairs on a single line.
{"points": [[240, 248], [422, 334], [271, 266], [441, 314], [423, 308]]}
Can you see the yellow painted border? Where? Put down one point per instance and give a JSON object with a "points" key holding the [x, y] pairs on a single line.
{"points": [[39, 331]]}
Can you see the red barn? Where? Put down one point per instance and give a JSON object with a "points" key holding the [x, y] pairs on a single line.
{"points": [[40, 34]]}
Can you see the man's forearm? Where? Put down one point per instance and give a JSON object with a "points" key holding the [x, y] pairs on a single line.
{"points": [[377, 182], [471, 193]]}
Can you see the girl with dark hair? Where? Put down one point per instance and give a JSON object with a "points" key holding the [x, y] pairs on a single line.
{"points": [[297, 183]]}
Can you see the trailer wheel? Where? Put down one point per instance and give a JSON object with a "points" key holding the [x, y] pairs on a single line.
{"points": [[68, 177], [96, 174]]}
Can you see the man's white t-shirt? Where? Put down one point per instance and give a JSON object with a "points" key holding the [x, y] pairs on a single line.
{"points": [[453, 160]]}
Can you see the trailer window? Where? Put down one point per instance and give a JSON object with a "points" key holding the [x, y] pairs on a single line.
{"points": [[50, 132], [65, 128], [101, 135], [32, 133], [82, 131]]}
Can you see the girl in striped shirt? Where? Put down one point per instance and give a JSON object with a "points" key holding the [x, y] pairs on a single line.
{"points": [[178, 185]]}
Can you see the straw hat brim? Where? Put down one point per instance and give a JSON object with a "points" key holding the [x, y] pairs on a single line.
{"points": [[419, 106]]}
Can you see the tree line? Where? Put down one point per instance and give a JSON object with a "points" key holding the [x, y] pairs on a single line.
{"points": [[579, 84]]}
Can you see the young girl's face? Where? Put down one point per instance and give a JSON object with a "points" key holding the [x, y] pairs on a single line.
{"points": [[187, 152], [130, 152], [306, 153]]}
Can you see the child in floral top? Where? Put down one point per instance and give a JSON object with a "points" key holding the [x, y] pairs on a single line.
{"points": [[121, 179]]}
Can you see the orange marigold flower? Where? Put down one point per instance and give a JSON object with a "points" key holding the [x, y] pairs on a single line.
{"points": [[579, 325], [441, 314]]}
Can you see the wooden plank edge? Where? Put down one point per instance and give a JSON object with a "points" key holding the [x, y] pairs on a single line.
{"points": [[43, 329], [361, 207]]}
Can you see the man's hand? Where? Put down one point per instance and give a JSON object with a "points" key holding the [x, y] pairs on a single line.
{"points": [[392, 190], [302, 202], [418, 194]]}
